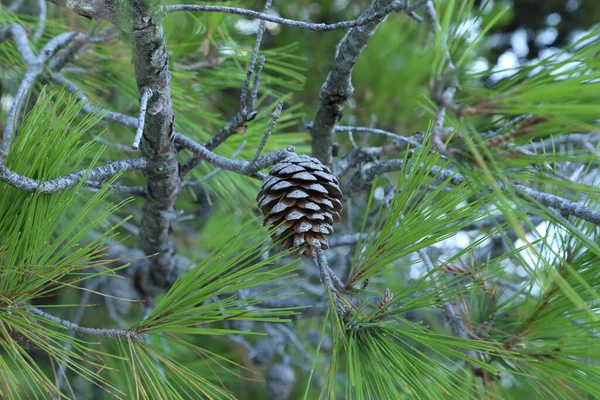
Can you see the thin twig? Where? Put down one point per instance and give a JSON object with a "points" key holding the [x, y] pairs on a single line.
{"points": [[274, 118], [325, 271], [134, 190], [259, 35], [68, 181], [142, 118], [561, 204], [15, 111], [234, 165], [88, 108], [20, 38], [257, 75], [111, 333], [202, 152], [443, 97], [211, 174], [247, 112], [62, 367], [350, 129], [42, 17], [395, 6], [35, 67]]}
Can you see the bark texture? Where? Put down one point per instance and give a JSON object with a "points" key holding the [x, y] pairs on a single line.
{"points": [[151, 62], [337, 89]]}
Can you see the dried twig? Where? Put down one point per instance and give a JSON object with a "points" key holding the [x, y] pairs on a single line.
{"points": [[146, 94], [274, 118]]}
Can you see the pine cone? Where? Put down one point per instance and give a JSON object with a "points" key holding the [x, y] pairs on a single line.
{"points": [[304, 197]]}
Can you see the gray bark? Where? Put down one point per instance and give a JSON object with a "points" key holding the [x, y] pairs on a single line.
{"points": [[337, 89], [150, 60]]}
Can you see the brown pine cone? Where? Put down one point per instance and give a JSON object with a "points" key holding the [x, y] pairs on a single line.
{"points": [[304, 197]]}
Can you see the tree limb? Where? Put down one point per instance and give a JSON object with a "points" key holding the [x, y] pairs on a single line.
{"points": [[111, 333], [337, 88], [68, 181], [373, 15], [364, 178], [96, 9], [151, 65]]}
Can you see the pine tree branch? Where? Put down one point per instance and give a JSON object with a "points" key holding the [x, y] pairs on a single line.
{"points": [[364, 178], [151, 65], [111, 333], [274, 118], [41, 22], [202, 152], [211, 174], [327, 276], [443, 97], [245, 100], [96, 9], [337, 88], [133, 190], [22, 44], [365, 18], [341, 128], [35, 67], [88, 108], [68, 181], [234, 165], [247, 112]]}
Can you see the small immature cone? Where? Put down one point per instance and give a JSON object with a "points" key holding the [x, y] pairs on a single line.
{"points": [[304, 197]]}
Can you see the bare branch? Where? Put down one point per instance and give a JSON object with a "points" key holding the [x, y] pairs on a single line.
{"points": [[151, 64], [42, 17], [365, 129], [20, 38], [259, 35], [274, 118], [233, 165], [363, 178], [254, 93], [96, 9], [443, 97], [202, 152], [147, 93], [111, 333], [68, 181], [247, 112], [211, 174], [337, 88], [35, 67], [15, 111], [122, 119], [393, 6], [133, 190], [325, 271]]}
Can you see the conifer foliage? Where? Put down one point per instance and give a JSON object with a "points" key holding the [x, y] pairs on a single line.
{"points": [[172, 224]]}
